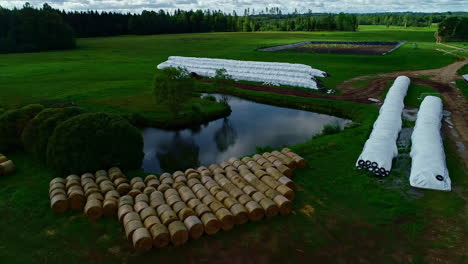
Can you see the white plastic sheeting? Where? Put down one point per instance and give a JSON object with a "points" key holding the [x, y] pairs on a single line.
{"points": [[428, 169], [381, 148], [299, 75]]}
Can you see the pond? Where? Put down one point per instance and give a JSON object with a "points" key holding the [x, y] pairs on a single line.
{"points": [[249, 126]]}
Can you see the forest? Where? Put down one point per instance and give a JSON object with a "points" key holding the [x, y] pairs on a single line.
{"points": [[32, 29]]}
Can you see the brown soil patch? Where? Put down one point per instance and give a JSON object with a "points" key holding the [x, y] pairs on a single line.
{"points": [[360, 50]]}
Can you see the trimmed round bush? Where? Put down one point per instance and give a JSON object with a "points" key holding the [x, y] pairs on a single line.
{"points": [[12, 123], [37, 132], [94, 141]]}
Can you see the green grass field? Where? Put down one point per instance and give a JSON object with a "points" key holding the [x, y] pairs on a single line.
{"points": [[354, 218]]}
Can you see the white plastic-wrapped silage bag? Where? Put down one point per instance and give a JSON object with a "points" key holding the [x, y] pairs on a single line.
{"points": [[428, 168]]}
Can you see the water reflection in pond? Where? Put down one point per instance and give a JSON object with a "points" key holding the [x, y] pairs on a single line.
{"points": [[250, 125]]}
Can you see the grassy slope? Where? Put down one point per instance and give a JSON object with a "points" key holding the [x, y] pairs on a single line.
{"points": [[354, 217]]}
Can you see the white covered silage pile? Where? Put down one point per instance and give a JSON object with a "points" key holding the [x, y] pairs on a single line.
{"points": [[428, 169], [381, 147], [299, 75]]}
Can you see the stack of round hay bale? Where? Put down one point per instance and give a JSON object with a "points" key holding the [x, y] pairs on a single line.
{"points": [[7, 166], [58, 195], [135, 230], [75, 192]]}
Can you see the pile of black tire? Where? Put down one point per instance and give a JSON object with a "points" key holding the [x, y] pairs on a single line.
{"points": [[373, 167]]}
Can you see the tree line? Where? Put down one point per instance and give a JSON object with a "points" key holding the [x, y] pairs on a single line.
{"points": [[30, 29]]}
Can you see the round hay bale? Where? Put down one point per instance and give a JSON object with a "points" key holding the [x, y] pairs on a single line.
{"points": [[202, 209], [76, 199], [130, 217], [186, 194], [286, 150], [283, 169], [258, 196], [221, 196], [179, 233], [300, 162], [229, 202], [193, 203], [141, 197], [148, 190], [276, 174], [168, 217], [153, 183], [192, 182], [170, 192], [205, 179], [202, 168], [212, 167], [59, 203], [57, 180], [150, 221], [147, 212], [224, 164], [124, 188], [150, 177], [162, 208], [89, 184], [93, 209], [225, 216], [75, 188], [100, 173], [112, 194], [197, 187], [188, 171], [271, 209], [262, 161], [73, 177], [176, 207], [185, 212], [243, 199], [102, 179], [91, 190], [96, 196], [270, 181], [139, 206], [180, 179], [256, 212], [3, 158], [286, 192], [270, 193], [256, 157], [156, 195], [249, 190], [286, 181], [88, 176], [131, 226], [57, 191], [163, 187], [156, 201], [260, 173], [283, 203], [237, 164], [193, 175], [208, 199], [241, 216], [135, 180], [168, 181], [285, 159], [142, 240], [178, 185], [134, 192], [210, 184], [202, 193], [236, 192], [126, 199], [171, 200], [106, 187], [119, 181], [123, 211], [57, 185], [246, 159], [232, 160], [194, 226], [219, 171], [109, 207], [113, 169], [160, 235], [86, 181], [211, 224], [139, 185], [215, 206], [206, 173], [216, 190]]}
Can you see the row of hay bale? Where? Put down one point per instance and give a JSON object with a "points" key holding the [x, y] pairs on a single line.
{"points": [[174, 208], [7, 166], [96, 194]]}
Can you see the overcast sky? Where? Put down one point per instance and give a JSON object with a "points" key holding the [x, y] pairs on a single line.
{"points": [[334, 6]]}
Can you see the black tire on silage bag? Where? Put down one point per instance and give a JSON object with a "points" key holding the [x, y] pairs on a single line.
{"points": [[361, 162], [387, 173], [374, 164], [382, 170], [368, 163]]}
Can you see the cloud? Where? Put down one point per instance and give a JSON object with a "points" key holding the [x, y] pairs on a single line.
{"points": [[334, 6]]}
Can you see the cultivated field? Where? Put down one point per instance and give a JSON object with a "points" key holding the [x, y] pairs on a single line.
{"points": [[339, 215]]}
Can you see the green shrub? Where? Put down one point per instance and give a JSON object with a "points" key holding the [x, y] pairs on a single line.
{"points": [[12, 123], [89, 142], [331, 129], [37, 132], [173, 87], [222, 80], [209, 98]]}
